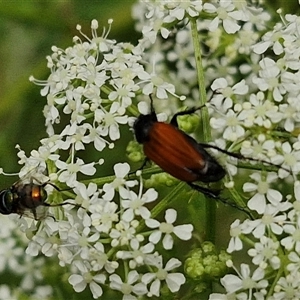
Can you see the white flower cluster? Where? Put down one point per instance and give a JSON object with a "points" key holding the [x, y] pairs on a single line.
{"points": [[275, 249], [98, 242], [255, 108], [91, 85], [27, 271]]}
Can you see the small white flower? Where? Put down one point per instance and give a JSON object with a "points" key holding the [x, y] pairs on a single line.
{"points": [[130, 287], [173, 280], [111, 119], [156, 84], [184, 232], [287, 287], [138, 254], [79, 282], [119, 183], [230, 124], [294, 264], [262, 111], [291, 113], [290, 159], [124, 232], [263, 191], [85, 195], [293, 238], [69, 171], [123, 93], [221, 86], [74, 137], [178, 10], [236, 230], [269, 79], [99, 259], [273, 219], [265, 253], [135, 205], [225, 14], [274, 38], [96, 136], [245, 281], [104, 215]]}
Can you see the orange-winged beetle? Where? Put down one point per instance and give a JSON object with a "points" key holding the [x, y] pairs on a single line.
{"points": [[176, 152], [181, 155]]}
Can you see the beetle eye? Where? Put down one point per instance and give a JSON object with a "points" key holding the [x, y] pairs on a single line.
{"points": [[6, 201]]}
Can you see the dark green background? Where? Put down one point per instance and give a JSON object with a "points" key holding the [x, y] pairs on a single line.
{"points": [[28, 29]]}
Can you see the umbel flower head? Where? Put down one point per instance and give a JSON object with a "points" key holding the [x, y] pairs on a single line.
{"points": [[122, 234], [90, 87]]}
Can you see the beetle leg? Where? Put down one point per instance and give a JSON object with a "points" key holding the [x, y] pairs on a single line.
{"points": [[146, 160], [215, 195], [207, 192]]}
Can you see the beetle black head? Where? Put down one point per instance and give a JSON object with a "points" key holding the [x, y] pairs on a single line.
{"points": [[142, 126]]}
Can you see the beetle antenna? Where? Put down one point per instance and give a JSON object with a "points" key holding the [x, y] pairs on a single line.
{"points": [[152, 110], [242, 157], [189, 111]]}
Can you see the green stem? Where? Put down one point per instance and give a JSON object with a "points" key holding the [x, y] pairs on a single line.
{"points": [[284, 262], [108, 179], [274, 282], [210, 205], [201, 82]]}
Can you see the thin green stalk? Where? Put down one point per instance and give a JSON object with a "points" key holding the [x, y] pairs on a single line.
{"points": [[201, 82], [210, 205]]}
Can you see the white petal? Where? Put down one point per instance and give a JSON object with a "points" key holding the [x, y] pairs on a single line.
{"points": [[171, 215], [133, 276], [230, 26], [261, 47], [155, 237], [167, 242], [77, 282], [174, 281], [213, 24], [297, 190], [96, 290], [231, 283], [151, 223], [121, 170], [155, 287], [274, 196], [219, 83], [88, 169], [184, 232], [172, 264], [258, 203]]}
